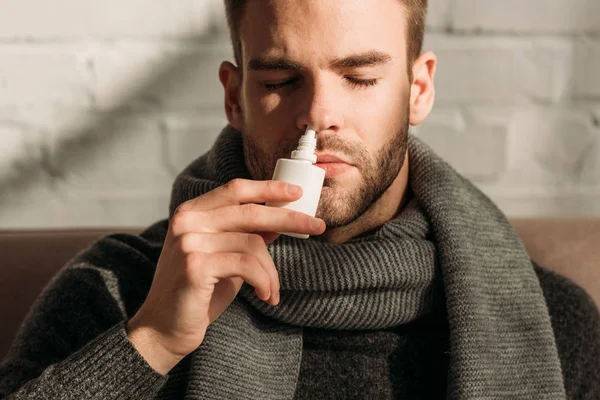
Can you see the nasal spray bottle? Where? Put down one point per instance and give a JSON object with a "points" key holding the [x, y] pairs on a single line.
{"points": [[300, 170]]}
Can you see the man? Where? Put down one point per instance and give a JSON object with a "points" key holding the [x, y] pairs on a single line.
{"points": [[412, 286]]}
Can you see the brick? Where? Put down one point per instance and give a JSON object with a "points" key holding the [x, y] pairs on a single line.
{"points": [[111, 175], [13, 146], [475, 147], [120, 154], [545, 202], [48, 209], [475, 70], [555, 16], [116, 209], [35, 75], [502, 71], [553, 147], [587, 78], [547, 71], [22, 145], [489, 115], [188, 137], [157, 76], [441, 119], [72, 19], [33, 205]]}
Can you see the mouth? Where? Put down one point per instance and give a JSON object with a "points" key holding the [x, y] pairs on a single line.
{"points": [[333, 165]]}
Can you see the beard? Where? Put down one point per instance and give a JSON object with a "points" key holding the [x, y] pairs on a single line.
{"points": [[340, 206]]}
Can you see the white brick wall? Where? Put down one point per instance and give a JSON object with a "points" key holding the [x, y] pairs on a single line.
{"points": [[102, 103]]}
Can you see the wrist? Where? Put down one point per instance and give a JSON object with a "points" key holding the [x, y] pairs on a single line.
{"points": [[148, 343]]}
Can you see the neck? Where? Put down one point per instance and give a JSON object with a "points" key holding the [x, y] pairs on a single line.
{"points": [[384, 209]]}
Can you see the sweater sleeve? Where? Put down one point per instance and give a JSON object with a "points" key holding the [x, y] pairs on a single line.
{"points": [[73, 343], [576, 323]]}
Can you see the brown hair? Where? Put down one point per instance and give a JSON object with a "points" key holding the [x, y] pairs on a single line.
{"points": [[417, 12]]}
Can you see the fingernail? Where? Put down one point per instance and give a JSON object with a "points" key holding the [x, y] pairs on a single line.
{"points": [[293, 189]]}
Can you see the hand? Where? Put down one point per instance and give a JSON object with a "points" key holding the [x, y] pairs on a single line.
{"points": [[215, 242]]}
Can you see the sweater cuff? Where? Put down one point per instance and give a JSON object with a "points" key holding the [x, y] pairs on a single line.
{"points": [[111, 367]]}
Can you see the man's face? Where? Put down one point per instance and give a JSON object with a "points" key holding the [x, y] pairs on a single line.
{"points": [[339, 66]]}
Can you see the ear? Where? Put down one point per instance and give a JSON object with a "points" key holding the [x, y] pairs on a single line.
{"points": [[422, 91], [230, 78]]}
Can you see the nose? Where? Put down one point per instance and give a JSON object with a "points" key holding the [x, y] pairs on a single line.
{"points": [[321, 108]]}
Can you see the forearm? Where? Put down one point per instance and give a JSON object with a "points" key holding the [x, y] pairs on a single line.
{"points": [[109, 367]]}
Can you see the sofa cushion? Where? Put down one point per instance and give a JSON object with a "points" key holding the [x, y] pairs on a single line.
{"points": [[28, 260], [569, 246]]}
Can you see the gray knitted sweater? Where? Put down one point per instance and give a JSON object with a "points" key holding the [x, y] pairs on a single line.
{"points": [[73, 344]]}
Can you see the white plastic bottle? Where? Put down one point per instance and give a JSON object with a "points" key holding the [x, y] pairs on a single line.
{"points": [[300, 170]]}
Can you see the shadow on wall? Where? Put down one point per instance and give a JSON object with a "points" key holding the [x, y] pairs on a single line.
{"points": [[177, 78]]}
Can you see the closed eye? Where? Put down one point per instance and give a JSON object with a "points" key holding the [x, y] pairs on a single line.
{"points": [[273, 87], [353, 82]]}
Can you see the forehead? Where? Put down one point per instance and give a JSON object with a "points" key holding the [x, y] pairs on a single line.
{"points": [[320, 28]]}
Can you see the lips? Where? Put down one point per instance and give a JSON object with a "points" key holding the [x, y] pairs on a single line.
{"points": [[333, 165], [330, 158]]}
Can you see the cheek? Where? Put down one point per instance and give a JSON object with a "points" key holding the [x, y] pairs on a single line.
{"points": [[261, 111], [266, 121], [266, 105], [264, 131], [379, 119], [380, 105], [257, 101]]}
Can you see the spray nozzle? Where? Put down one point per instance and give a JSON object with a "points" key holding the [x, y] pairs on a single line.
{"points": [[306, 146]]}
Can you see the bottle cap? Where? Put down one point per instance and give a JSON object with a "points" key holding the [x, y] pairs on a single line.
{"points": [[306, 146]]}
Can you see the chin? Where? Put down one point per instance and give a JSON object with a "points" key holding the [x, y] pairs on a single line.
{"points": [[336, 207]]}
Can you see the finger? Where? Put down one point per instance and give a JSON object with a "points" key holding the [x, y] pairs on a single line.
{"points": [[259, 218], [269, 237], [246, 218], [207, 267], [233, 242], [242, 191]]}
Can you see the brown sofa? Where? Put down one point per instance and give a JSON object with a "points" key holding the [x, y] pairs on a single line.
{"points": [[28, 259]]}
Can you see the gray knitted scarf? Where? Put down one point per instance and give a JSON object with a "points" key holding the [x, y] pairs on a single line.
{"points": [[501, 340]]}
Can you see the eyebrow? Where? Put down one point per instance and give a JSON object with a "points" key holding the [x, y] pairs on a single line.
{"points": [[369, 58], [273, 64]]}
